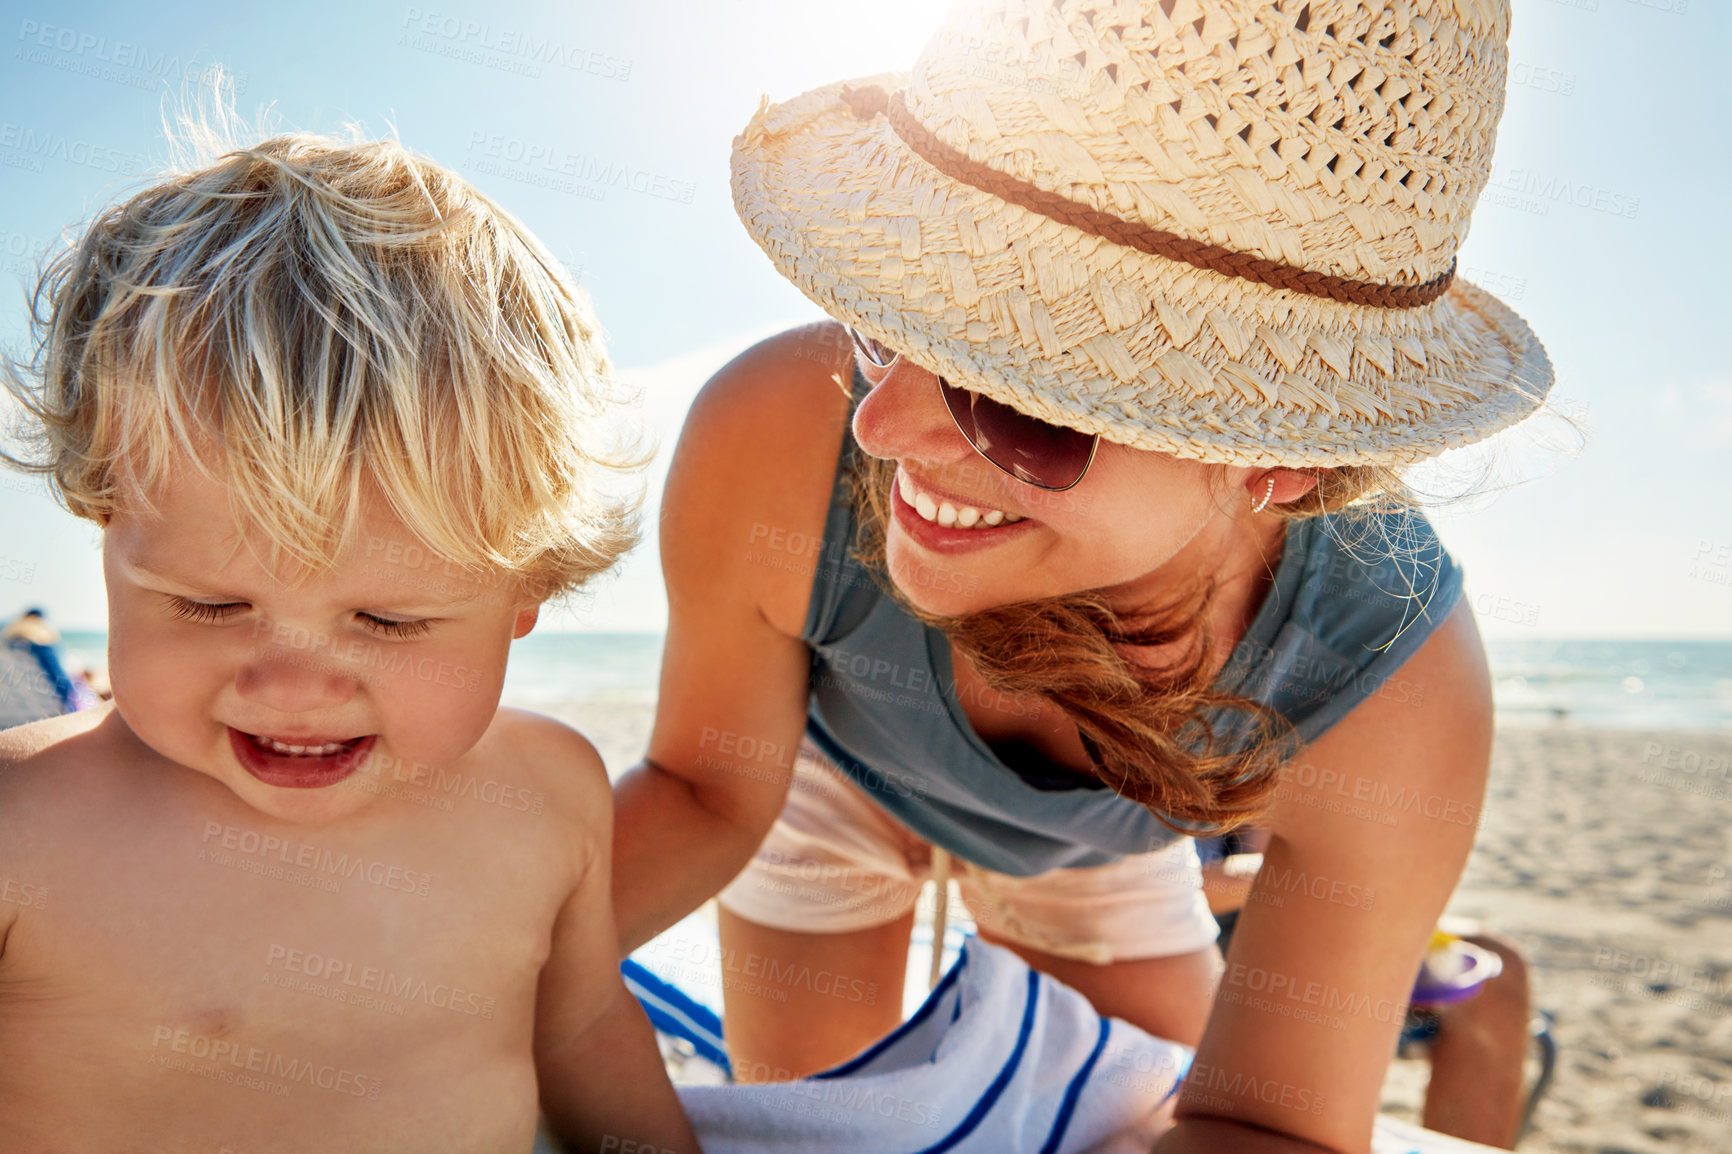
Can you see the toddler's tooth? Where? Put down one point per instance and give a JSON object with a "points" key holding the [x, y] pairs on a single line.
{"points": [[925, 506], [992, 517], [297, 749], [1012, 518], [947, 515], [967, 516]]}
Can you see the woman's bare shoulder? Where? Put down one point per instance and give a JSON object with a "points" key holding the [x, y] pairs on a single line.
{"points": [[750, 481]]}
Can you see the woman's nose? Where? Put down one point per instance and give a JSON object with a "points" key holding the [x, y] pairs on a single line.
{"points": [[904, 416], [290, 680]]}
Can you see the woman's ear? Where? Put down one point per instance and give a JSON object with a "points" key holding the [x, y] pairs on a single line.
{"points": [[1278, 486], [1292, 484], [526, 619]]}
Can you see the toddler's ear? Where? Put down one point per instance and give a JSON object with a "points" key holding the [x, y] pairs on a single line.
{"points": [[525, 621]]}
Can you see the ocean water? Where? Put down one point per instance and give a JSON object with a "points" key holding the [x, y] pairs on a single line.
{"points": [[1678, 685], [1683, 685]]}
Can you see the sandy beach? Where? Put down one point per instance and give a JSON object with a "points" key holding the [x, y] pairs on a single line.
{"points": [[1608, 856]]}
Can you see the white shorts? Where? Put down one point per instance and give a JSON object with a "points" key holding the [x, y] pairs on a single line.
{"points": [[836, 862]]}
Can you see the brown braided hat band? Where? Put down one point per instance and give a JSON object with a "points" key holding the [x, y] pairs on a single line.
{"points": [[870, 101]]}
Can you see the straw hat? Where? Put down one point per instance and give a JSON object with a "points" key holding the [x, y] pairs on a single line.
{"points": [[1220, 229]]}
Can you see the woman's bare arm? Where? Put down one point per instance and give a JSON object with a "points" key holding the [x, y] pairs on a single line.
{"points": [[1372, 827], [745, 505]]}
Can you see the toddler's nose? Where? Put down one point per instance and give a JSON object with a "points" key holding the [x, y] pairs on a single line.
{"points": [[287, 682]]}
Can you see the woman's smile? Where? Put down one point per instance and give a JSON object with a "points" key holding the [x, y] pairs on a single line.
{"points": [[947, 509], [941, 523]]}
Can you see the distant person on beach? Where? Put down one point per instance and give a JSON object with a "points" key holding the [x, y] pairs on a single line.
{"points": [[303, 884], [1083, 528], [34, 682], [31, 626]]}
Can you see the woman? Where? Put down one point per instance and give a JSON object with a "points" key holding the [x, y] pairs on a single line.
{"points": [[1143, 298]]}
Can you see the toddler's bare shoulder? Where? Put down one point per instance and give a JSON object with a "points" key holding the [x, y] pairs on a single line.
{"points": [[556, 760], [45, 768], [43, 753]]}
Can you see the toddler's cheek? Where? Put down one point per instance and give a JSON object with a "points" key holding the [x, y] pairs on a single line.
{"points": [[438, 725]]}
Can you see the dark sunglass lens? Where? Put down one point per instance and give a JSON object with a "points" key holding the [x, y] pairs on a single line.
{"points": [[1049, 456], [873, 349]]}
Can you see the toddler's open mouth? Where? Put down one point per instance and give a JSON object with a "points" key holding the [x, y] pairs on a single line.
{"points": [[300, 763]]}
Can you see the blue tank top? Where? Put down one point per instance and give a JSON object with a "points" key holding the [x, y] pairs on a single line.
{"points": [[1338, 621]]}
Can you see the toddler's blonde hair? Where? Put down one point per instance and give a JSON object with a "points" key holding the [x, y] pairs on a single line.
{"points": [[327, 319]]}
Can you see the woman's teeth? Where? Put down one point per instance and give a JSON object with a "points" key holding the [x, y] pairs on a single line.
{"points": [[950, 516], [276, 746]]}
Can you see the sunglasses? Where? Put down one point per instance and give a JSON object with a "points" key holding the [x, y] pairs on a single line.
{"points": [[1034, 452]]}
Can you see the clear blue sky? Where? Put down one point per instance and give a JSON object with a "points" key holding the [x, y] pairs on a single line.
{"points": [[1619, 104]]}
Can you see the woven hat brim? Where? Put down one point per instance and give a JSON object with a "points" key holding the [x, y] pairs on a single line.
{"points": [[1082, 332]]}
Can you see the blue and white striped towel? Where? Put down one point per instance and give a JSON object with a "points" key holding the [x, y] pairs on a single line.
{"points": [[999, 1059]]}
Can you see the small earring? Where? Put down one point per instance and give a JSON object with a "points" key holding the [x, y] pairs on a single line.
{"points": [[1267, 493]]}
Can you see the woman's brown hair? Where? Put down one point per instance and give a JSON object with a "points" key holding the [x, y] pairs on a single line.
{"points": [[1146, 727]]}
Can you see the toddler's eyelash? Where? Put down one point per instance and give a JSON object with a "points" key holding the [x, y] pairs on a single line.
{"points": [[187, 610], [202, 611], [399, 628]]}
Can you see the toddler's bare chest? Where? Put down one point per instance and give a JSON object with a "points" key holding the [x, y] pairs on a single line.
{"points": [[221, 950]]}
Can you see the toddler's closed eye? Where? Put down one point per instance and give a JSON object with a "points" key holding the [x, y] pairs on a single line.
{"points": [[186, 609], [397, 628]]}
